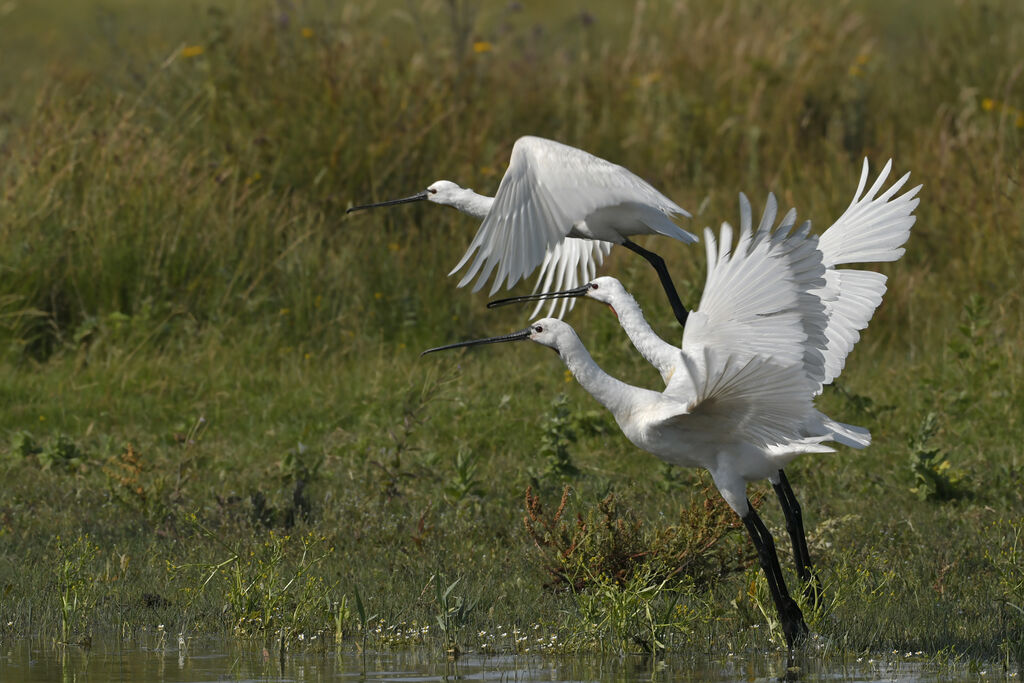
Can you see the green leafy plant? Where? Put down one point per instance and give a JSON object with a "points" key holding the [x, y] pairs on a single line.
{"points": [[61, 453], [640, 614], [561, 428], [556, 438], [463, 483], [269, 589], [1006, 557], [342, 614], [24, 445], [453, 612], [364, 618], [934, 476], [77, 586]]}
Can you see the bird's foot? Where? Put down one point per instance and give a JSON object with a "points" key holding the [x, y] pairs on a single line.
{"points": [[793, 625]]}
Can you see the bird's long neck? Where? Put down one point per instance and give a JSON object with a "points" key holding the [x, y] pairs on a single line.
{"points": [[609, 392], [663, 356], [469, 202]]}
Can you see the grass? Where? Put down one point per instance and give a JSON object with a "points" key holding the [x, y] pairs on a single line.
{"points": [[214, 417]]}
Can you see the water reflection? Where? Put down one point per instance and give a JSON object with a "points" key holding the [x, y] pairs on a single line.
{"points": [[43, 660]]}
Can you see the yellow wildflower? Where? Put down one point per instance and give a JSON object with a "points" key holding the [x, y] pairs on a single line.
{"points": [[284, 311], [393, 246], [378, 296], [988, 104], [1019, 121], [192, 51], [307, 32], [482, 46]]}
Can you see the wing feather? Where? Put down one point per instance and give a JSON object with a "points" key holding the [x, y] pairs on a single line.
{"points": [[548, 188], [872, 229], [752, 398], [568, 265], [757, 298]]}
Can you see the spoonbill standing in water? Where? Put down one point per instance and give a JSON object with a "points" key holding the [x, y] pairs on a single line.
{"points": [[872, 229], [560, 208], [729, 405]]}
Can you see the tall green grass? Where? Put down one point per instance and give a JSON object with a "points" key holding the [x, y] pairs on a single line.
{"points": [[173, 246]]}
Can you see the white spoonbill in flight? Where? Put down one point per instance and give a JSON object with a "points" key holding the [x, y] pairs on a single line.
{"points": [[560, 208], [728, 409], [872, 229]]}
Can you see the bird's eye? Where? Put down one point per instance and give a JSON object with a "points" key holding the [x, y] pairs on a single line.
{"points": [[594, 285], [538, 329], [431, 190]]}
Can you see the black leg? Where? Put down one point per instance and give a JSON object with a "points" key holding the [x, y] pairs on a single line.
{"points": [[795, 527], [792, 618], [666, 280]]}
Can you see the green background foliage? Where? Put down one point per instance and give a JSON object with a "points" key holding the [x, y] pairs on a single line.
{"points": [[214, 416]]}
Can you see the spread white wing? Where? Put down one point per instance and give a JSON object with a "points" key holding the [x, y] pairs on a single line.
{"points": [[871, 230], [548, 188], [758, 298]]}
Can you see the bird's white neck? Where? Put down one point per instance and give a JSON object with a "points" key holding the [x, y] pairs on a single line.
{"points": [[663, 356], [469, 202], [609, 392]]}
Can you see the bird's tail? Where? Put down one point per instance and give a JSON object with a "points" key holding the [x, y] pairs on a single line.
{"points": [[848, 435], [789, 450]]}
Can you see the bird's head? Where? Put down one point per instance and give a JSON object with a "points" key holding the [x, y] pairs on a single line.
{"points": [[444, 192], [605, 289], [549, 332]]}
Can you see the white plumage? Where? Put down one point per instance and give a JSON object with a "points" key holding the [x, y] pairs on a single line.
{"points": [[750, 357], [559, 208], [552, 191], [871, 230], [776, 321], [726, 406]]}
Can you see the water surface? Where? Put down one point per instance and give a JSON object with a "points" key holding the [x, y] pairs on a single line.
{"points": [[43, 660]]}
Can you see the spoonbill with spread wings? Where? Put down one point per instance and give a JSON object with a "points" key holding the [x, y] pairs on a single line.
{"points": [[872, 229], [560, 208], [729, 406]]}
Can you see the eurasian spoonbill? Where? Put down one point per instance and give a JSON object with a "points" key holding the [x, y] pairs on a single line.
{"points": [[872, 229], [740, 410], [560, 208]]}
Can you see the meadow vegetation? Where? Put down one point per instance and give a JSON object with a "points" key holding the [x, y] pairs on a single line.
{"points": [[214, 419]]}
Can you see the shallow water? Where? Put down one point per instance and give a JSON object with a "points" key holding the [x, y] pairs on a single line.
{"points": [[39, 660]]}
